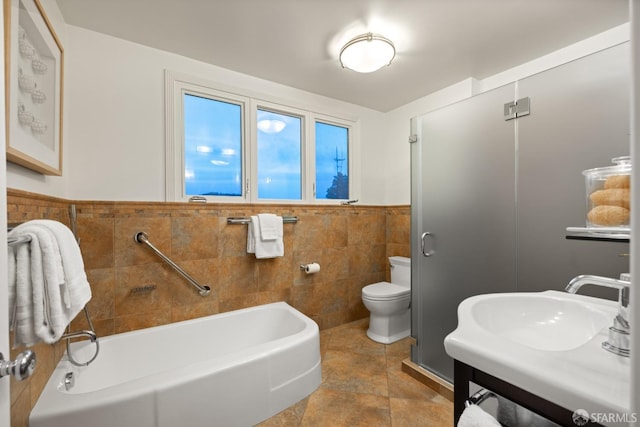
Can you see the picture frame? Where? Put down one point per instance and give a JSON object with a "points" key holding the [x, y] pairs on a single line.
{"points": [[34, 65]]}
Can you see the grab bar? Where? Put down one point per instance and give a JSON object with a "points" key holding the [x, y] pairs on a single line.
{"points": [[285, 219], [141, 237]]}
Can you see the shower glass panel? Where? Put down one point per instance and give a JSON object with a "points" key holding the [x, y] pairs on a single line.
{"points": [[463, 193], [579, 120], [497, 196]]}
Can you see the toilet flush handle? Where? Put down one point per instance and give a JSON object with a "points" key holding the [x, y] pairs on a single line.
{"points": [[423, 245]]}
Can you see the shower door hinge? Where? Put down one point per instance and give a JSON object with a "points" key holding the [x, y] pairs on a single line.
{"points": [[515, 109], [413, 138]]}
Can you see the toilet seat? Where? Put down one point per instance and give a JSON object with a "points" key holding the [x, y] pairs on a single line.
{"points": [[385, 291]]}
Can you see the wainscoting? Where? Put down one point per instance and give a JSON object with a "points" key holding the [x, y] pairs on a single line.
{"points": [[351, 243]]}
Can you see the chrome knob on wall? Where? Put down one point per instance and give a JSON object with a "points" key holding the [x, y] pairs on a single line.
{"points": [[21, 368]]}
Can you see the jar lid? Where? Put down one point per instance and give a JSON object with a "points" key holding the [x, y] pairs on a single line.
{"points": [[622, 167]]}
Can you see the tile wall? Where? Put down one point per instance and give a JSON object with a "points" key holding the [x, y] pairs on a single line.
{"points": [[351, 243]]}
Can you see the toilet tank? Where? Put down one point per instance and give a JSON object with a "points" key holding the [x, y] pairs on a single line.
{"points": [[400, 270]]}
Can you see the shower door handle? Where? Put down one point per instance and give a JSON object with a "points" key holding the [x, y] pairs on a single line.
{"points": [[423, 245]]}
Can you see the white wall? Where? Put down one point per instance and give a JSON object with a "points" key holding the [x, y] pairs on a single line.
{"points": [[114, 117], [5, 346], [398, 178], [115, 104], [634, 6]]}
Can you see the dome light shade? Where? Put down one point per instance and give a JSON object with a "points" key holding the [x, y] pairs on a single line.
{"points": [[367, 53]]}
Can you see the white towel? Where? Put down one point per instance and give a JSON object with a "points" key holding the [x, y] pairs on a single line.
{"points": [[475, 416], [265, 248], [50, 286], [270, 226]]}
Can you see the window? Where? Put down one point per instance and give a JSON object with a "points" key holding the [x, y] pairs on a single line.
{"points": [[279, 156], [332, 161], [212, 147], [226, 145]]}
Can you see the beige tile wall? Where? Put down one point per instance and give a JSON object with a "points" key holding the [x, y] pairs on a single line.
{"points": [[22, 206], [351, 243]]}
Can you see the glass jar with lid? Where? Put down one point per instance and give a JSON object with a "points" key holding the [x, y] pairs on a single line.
{"points": [[608, 194]]}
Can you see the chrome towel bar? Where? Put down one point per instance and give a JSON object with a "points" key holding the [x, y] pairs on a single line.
{"points": [[17, 240], [141, 237], [236, 220]]}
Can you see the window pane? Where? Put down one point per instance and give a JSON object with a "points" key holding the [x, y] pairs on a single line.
{"points": [[212, 147], [332, 161], [279, 156]]}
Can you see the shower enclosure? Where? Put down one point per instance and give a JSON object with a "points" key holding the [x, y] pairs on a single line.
{"points": [[492, 196]]}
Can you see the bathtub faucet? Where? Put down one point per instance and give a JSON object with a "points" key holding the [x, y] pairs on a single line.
{"points": [[618, 342]]}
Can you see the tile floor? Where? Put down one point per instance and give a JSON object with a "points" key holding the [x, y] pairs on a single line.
{"points": [[363, 385]]}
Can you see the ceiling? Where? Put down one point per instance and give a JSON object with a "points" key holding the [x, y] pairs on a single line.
{"points": [[296, 42]]}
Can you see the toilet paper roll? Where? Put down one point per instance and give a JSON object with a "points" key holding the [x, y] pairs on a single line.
{"points": [[312, 268]]}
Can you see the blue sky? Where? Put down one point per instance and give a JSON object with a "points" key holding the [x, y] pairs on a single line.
{"points": [[213, 152]]}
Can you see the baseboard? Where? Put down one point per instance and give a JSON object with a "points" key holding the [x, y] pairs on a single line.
{"points": [[442, 387]]}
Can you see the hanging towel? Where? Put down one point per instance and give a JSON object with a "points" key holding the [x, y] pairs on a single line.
{"points": [[50, 285], [271, 247], [270, 226], [475, 416]]}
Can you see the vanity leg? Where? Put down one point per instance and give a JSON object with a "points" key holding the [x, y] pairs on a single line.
{"points": [[462, 374]]}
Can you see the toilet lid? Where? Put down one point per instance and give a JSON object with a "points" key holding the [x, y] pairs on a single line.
{"points": [[384, 291]]}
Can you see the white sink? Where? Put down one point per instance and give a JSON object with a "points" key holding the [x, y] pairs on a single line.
{"points": [[548, 343], [539, 321]]}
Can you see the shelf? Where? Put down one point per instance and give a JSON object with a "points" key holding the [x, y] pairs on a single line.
{"points": [[602, 234]]}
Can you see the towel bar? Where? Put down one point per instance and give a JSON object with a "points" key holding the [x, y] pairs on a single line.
{"points": [[239, 220], [16, 240]]}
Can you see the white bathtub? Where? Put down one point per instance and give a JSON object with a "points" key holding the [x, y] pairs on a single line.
{"points": [[230, 369]]}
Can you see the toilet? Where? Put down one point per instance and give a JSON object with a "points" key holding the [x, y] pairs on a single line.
{"points": [[388, 303]]}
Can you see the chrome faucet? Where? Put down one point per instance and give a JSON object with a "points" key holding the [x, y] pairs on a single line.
{"points": [[618, 342]]}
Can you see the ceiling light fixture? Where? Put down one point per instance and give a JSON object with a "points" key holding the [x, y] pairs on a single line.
{"points": [[271, 125], [367, 53]]}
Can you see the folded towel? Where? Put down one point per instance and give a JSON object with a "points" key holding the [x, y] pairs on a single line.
{"points": [[475, 416], [270, 226], [253, 230], [49, 287], [76, 290], [262, 248], [20, 297]]}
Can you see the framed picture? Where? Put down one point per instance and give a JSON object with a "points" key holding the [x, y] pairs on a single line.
{"points": [[33, 88]]}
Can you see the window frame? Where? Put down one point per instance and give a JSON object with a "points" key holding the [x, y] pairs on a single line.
{"points": [[352, 132], [177, 84], [303, 115]]}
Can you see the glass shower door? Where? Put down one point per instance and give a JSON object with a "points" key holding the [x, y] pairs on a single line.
{"points": [[463, 216]]}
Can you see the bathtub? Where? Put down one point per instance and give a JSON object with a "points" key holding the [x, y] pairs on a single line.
{"points": [[230, 369]]}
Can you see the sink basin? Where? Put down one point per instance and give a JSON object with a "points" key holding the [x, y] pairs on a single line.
{"points": [[547, 343], [539, 321]]}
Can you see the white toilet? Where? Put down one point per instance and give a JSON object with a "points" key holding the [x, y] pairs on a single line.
{"points": [[389, 303]]}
